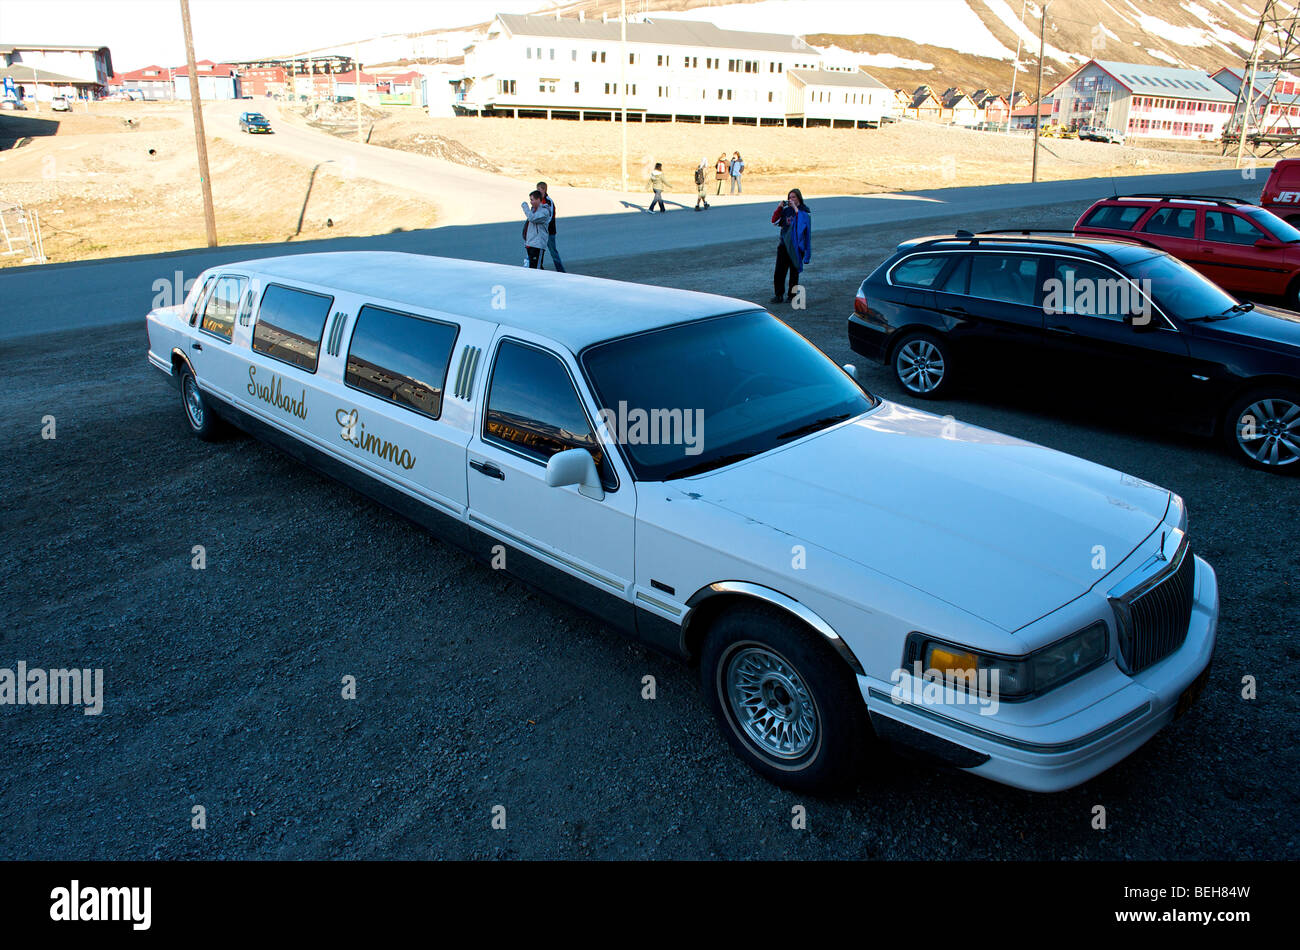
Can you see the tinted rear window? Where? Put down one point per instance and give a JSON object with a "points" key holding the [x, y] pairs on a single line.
{"points": [[919, 271], [1115, 217], [289, 325], [400, 358]]}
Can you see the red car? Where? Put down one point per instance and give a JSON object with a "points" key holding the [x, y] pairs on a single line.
{"points": [[1281, 193], [1238, 245]]}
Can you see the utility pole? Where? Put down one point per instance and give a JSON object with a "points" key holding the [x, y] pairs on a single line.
{"points": [[1011, 103], [357, 88], [1038, 95], [200, 139], [622, 13]]}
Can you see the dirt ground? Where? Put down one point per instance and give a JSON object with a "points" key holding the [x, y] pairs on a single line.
{"points": [[898, 157], [124, 180]]}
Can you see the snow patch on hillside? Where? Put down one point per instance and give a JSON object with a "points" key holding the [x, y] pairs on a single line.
{"points": [[1029, 37]]}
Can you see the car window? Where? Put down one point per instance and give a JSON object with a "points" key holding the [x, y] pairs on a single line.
{"points": [[1268, 221], [221, 307], [919, 271], [958, 279], [1174, 222], [1224, 227], [201, 300], [401, 358], [289, 325], [533, 408], [1084, 289], [1115, 217], [1011, 278]]}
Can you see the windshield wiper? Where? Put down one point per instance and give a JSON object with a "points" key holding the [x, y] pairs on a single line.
{"points": [[709, 465], [812, 427], [1230, 312]]}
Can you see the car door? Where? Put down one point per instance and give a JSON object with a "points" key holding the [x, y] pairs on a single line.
{"points": [[1102, 356], [992, 299], [1175, 230], [1230, 258], [574, 545], [212, 350]]}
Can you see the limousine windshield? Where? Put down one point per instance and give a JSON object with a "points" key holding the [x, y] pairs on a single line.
{"points": [[740, 384]]}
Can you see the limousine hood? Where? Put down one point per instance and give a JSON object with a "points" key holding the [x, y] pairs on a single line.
{"points": [[1001, 528]]}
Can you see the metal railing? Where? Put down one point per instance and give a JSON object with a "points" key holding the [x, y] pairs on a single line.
{"points": [[20, 234]]}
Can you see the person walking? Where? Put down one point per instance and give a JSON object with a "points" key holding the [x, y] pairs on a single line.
{"points": [[721, 170], [794, 251], [737, 166], [536, 218], [658, 185], [701, 176], [550, 228]]}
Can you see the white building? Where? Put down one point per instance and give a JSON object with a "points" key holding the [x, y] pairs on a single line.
{"points": [[44, 71], [680, 70], [837, 96], [1158, 102]]}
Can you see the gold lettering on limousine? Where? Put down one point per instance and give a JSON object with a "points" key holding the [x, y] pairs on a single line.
{"points": [[354, 432], [270, 394]]}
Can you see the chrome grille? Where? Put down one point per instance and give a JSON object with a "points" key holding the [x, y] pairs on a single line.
{"points": [[1158, 618]]}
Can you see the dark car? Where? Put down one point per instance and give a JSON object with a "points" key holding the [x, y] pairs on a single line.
{"points": [[1101, 317], [1240, 246], [254, 122]]}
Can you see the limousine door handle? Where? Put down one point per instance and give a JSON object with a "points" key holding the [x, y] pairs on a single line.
{"points": [[488, 469], [196, 346]]}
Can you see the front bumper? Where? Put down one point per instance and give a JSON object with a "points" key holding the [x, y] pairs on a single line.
{"points": [[1068, 749]]}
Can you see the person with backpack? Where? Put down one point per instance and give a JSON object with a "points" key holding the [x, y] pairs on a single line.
{"points": [[721, 170], [794, 251], [701, 176], [658, 185], [550, 228], [537, 216], [737, 166]]}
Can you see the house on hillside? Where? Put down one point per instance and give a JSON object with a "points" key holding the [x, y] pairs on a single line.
{"points": [[994, 106], [958, 108], [1029, 117], [45, 71], [1143, 101], [924, 105]]}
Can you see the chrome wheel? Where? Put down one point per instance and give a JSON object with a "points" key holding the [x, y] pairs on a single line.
{"points": [[920, 366], [193, 403], [770, 703], [1268, 431]]}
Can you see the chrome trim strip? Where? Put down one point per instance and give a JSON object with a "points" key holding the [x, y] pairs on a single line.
{"points": [[510, 536], [673, 609], [777, 599], [1138, 582], [1043, 748]]}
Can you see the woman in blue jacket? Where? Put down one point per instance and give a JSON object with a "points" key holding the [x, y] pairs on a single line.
{"points": [[795, 248]]}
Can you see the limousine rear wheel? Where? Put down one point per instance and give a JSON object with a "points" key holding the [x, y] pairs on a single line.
{"points": [[922, 365], [203, 421], [1263, 427], [786, 704]]}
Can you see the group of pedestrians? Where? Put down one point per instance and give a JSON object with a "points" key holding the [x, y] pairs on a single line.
{"points": [[792, 216], [539, 229]]}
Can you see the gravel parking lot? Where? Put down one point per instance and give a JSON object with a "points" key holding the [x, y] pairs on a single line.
{"points": [[223, 685]]}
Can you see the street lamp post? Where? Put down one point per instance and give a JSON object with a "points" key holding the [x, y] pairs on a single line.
{"points": [[1038, 95]]}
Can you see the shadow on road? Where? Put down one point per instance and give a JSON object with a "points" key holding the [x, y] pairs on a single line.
{"points": [[14, 128]]}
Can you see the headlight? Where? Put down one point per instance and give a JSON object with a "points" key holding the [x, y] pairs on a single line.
{"points": [[1017, 677]]}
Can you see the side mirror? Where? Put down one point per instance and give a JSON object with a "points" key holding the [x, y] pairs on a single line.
{"points": [[575, 467], [851, 370], [1140, 322]]}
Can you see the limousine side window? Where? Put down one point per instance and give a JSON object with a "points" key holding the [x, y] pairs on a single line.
{"points": [[401, 358], [221, 307], [289, 325], [533, 408], [201, 300]]}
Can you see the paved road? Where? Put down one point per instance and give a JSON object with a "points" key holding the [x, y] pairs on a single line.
{"points": [[59, 297]]}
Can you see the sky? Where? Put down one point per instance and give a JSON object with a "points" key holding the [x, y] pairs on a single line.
{"points": [[144, 32]]}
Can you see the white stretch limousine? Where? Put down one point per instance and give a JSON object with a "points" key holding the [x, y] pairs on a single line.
{"points": [[693, 472]]}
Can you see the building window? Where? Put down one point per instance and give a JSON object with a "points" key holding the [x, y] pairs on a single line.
{"points": [[575, 86], [631, 59], [552, 54], [528, 53], [574, 53], [769, 97]]}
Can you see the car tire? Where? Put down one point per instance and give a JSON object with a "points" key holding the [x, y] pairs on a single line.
{"points": [[923, 365], [807, 726], [204, 423], [1262, 429]]}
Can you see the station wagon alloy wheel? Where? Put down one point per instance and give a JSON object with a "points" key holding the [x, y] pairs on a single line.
{"points": [[921, 366], [771, 703], [1268, 431]]}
